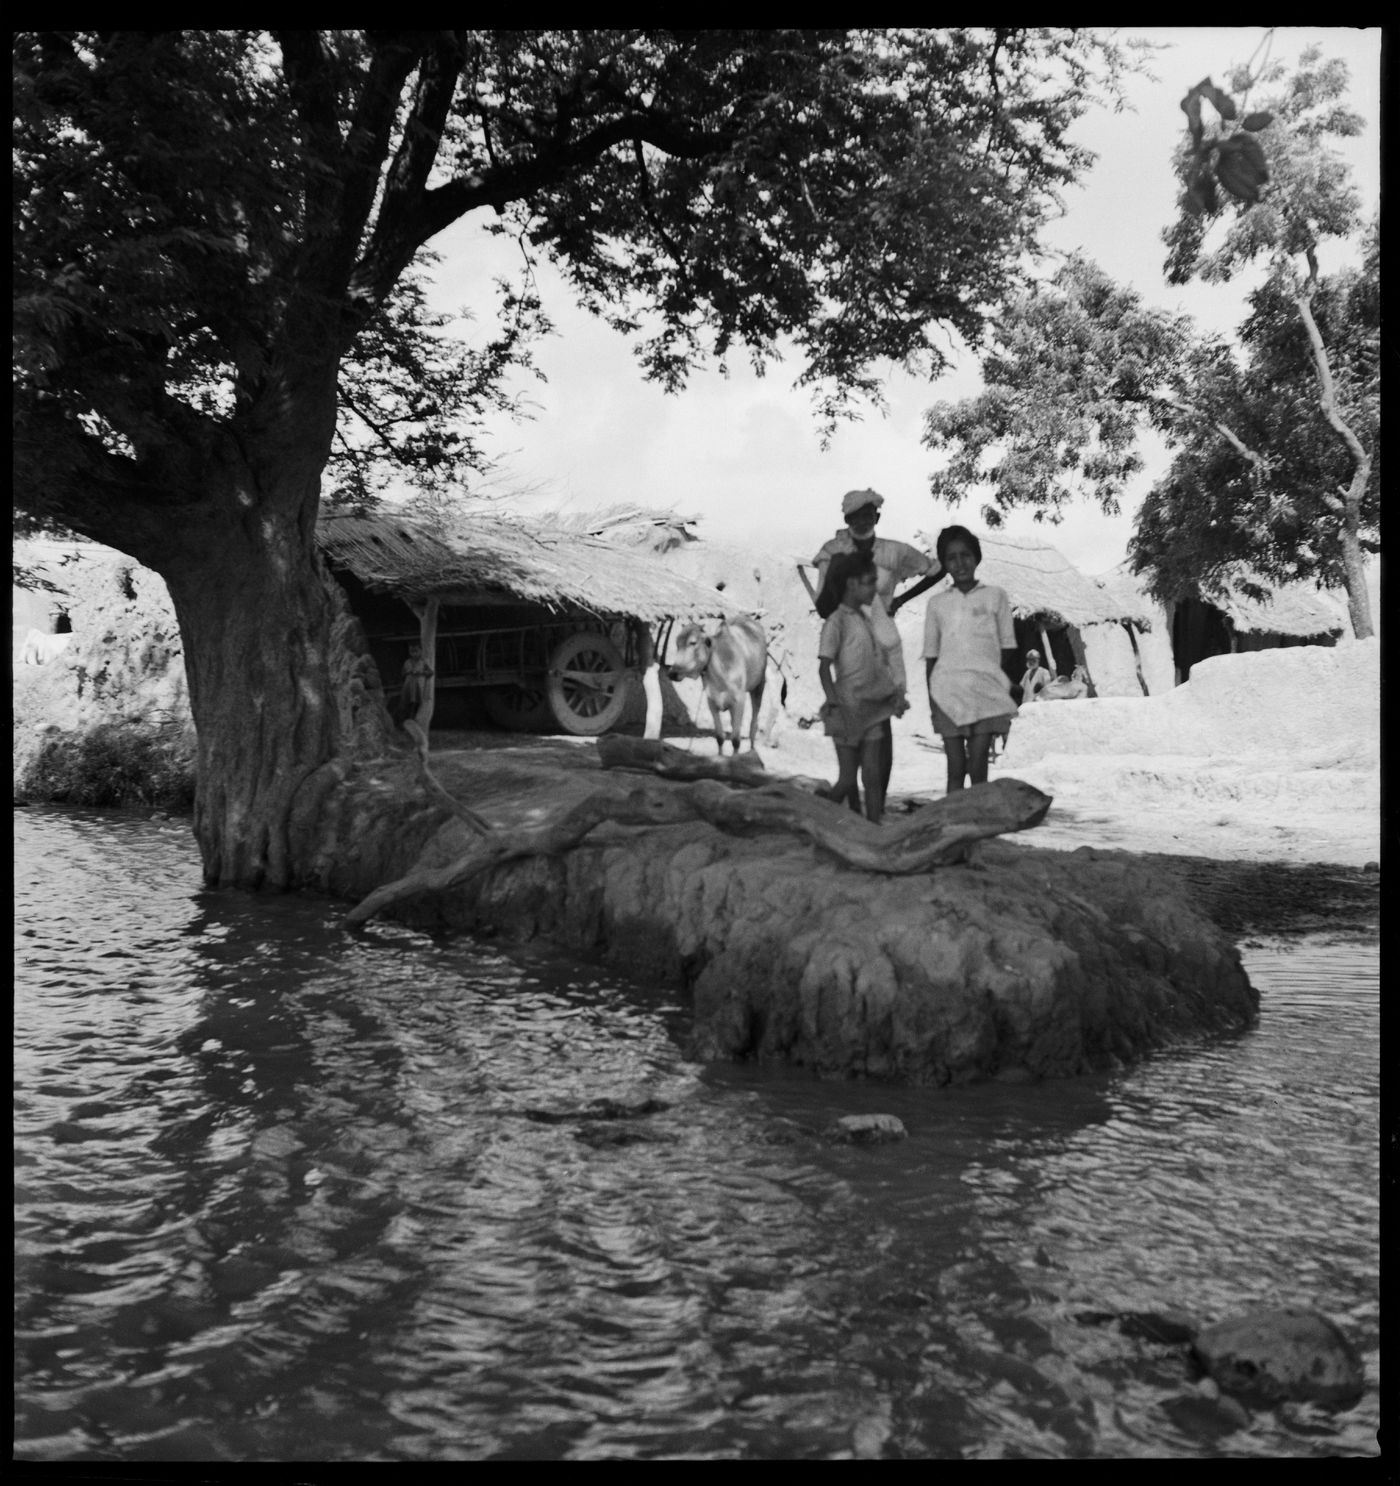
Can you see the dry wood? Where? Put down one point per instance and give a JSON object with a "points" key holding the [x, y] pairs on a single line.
{"points": [[427, 639], [936, 835], [434, 787], [652, 756]]}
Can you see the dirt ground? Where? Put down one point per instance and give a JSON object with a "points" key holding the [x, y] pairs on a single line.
{"points": [[1242, 877]]}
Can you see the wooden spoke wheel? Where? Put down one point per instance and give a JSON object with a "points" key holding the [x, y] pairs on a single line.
{"points": [[518, 709], [587, 684]]}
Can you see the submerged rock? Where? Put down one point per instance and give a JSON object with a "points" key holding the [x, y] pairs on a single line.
{"points": [[603, 1136], [866, 1129], [1170, 1328], [1282, 1353]]}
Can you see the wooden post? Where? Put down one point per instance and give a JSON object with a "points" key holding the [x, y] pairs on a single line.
{"points": [[427, 638], [651, 681], [1137, 655], [1048, 653], [1081, 658]]}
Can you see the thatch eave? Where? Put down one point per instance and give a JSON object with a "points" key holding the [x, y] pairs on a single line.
{"points": [[492, 560]]}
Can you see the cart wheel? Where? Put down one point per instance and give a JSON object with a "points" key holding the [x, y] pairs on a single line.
{"points": [[587, 684], [518, 709]]}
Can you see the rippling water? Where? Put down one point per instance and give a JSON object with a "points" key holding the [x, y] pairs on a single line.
{"points": [[287, 1194]]}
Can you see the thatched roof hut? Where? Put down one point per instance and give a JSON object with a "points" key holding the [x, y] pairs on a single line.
{"points": [[486, 556], [1297, 610], [1291, 614], [1045, 587]]}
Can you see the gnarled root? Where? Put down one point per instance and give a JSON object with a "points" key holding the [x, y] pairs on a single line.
{"points": [[936, 835]]}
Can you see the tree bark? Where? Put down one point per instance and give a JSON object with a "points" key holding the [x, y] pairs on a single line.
{"points": [[651, 755], [936, 835], [280, 682], [1358, 598]]}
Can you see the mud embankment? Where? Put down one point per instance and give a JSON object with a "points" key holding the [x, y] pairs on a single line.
{"points": [[1028, 964]]}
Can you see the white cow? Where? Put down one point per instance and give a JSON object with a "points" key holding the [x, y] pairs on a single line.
{"points": [[733, 665], [40, 648]]}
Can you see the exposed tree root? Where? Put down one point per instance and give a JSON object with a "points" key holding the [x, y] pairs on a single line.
{"points": [[434, 788], [936, 835]]}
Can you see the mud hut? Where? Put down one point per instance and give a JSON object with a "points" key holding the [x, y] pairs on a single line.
{"points": [[1134, 658], [1055, 606], [1193, 629], [1290, 614], [529, 624]]}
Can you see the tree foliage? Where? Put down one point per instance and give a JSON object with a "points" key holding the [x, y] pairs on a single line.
{"points": [[1077, 369], [192, 207], [1309, 196], [1080, 369], [1272, 508], [216, 235]]}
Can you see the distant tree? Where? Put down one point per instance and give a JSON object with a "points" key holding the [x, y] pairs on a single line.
{"points": [[1264, 494], [1078, 368], [215, 233], [1285, 193], [1274, 440]]}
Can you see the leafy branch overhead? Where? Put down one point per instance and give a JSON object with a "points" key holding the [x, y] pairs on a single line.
{"points": [[217, 320], [1233, 158]]}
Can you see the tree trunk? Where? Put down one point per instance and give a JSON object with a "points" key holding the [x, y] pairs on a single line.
{"points": [[427, 638], [1358, 595], [280, 681], [1358, 599]]}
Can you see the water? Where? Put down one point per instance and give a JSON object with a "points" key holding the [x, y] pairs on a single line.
{"points": [[287, 1194]]}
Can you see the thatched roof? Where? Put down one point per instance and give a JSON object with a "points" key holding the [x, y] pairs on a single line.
{"points": [[627, 525], [1298, 609], [1042, 583], [511, 557]]}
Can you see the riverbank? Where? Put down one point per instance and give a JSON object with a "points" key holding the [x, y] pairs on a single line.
{"points": [[1026, 964], [285, 1193], [1248, 876], [1067, 948], [1271, 756]]}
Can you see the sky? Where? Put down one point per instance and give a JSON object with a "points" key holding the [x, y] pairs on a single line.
{"points": [[743, 454]]}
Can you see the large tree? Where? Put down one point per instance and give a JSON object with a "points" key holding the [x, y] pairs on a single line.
{"points": [[215, 239], [1262, 485], [1275, 437]]}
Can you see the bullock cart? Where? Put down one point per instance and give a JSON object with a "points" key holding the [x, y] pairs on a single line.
{"points": [[551, 630], [536, 669]]}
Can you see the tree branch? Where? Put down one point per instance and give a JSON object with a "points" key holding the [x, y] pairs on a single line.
{"points": [[439, 68], [307, 70], [1256, 461], [501, 185], [1328, 400], [367, 139], [649, 203]]}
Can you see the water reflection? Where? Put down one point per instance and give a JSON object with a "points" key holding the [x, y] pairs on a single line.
{"points": [[286, 1194]]}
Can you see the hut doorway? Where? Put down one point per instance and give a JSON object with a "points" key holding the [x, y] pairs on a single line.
{"points": [[1055, 647], [1199, 631]]}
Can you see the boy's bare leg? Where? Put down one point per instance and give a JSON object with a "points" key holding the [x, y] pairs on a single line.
{"points": [[979, 746], [847, 762], [956, 751], [870, 765]]}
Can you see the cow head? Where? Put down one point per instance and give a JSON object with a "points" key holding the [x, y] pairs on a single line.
{"points": [[691, 655]]}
